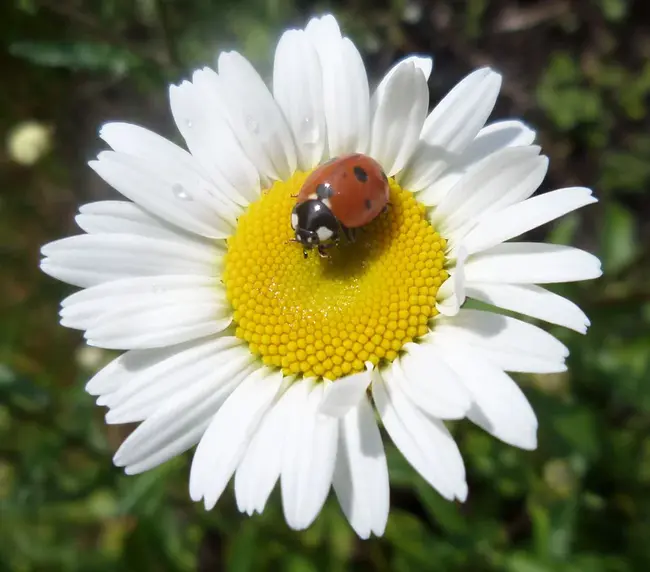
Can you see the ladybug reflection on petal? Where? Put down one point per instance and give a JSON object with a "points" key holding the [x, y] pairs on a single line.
{"points": [[339, 196]]}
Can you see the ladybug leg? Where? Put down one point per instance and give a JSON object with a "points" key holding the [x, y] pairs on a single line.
{"points": [[386, 207], [350, 233], [322, 250], [323, 247]]}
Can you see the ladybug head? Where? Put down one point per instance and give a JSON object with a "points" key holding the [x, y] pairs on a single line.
{"points": [[314, 224]]}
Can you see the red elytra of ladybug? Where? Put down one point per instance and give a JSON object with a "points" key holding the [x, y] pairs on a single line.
{"points": [[354, 187]]}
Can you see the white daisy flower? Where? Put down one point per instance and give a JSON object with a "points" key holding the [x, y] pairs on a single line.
{"points": [[270, 361]]}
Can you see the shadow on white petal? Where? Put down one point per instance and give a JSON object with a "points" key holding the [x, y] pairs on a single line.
{"points": [[344, 394], [451, 126], [260, 468], [399, 107], [256, 118], [361, 474], [531, 300], [499, 407], [298, 89], [532, 263], [492, 138], [224, 443], [308, 459], [451, 295], [424, 441]]}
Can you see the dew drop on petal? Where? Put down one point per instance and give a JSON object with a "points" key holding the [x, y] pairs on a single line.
{"points": [[309, 131], [180, 193], [189, 123], [252, 125]]}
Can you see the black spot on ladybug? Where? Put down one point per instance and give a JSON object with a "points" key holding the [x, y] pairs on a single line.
{"points": [[324, 191], [368, 204], [360, 174]]}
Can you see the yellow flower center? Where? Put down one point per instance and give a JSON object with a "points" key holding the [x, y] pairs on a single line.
{"points": [[327, 316]]}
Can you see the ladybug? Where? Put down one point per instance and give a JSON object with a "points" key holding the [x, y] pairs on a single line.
{"points": [[339, 196]]}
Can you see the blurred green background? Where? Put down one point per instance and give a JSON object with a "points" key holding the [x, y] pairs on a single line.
{"points": [[579, 71]]}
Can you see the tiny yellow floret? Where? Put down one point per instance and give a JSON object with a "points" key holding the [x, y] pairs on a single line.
{"points": [[327, 316]]}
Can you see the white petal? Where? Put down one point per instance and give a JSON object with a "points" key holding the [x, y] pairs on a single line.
{"points": [[506, 358], [90, 259], [533, 301], [495, 136], [490, 139], [343, 394], [225, 441], [430, 383], [500, 407], [124, 373], [423, 440], [260, 468], [345, 87], [144, 390], [255, 118], [142, 326], [510, 343], [198, 109], [489, 328], [506, 177], [125, 217], [524, 216], [180, 424], [113, 376], [532, 263], [514, 361], [451, 126], [298, 89], [163, 394], [171, 162], [176, 194], [89, 307], [424, 64], [308, 458], [399, 107], [479, 89], [451, 295], [361, 475]]}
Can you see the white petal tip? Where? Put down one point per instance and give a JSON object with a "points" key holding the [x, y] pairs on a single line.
{"points": [[209, 503], [526, 442], [298, 524], [449, 306], [104, 130], [461, 493], [363, 534], [116, 417], [133, 470]]}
